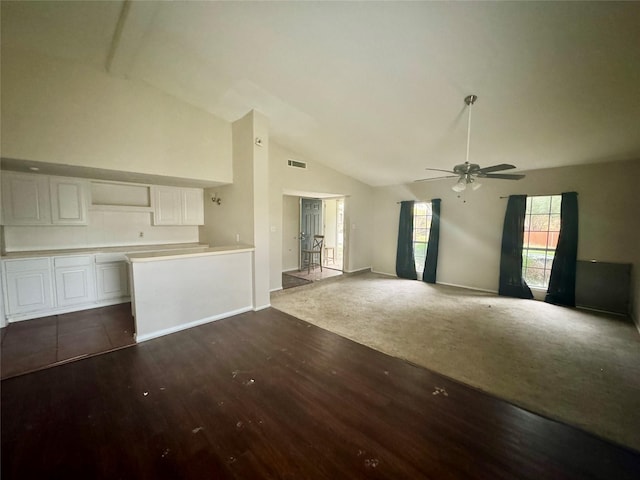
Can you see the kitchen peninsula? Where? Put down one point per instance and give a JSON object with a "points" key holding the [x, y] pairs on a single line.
{"points": [[179, 289]]}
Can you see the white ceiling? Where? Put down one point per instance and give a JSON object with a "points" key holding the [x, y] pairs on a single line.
{"points": [[375, 89]]}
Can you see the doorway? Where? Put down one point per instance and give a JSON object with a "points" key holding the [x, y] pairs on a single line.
{"points": [[305, 215], [323, 217]]}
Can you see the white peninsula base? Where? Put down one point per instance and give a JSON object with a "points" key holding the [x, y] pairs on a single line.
{"points": [[172, 291]]}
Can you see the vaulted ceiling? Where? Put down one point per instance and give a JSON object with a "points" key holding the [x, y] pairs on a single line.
{"points": [[375, 89]]}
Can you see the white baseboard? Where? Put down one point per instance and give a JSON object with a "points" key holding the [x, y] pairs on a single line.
{"points": [[275, 289], [262, 307], [384, 273], [495, 292], [365, 269], [195, 323]]}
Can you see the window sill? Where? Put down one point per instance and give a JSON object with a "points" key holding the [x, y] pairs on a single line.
{"points": [[538, 293]]}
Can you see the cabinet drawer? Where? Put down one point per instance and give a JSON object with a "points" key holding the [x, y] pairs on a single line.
{"points": [[26, 265], [72, 261]]}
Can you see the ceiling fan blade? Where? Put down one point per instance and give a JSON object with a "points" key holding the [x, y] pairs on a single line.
{"points": [[503, 176], [439, 170], [496, 168], [435, 178]]}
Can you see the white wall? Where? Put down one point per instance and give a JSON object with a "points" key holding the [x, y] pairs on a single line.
{"points": [[105, 229], [471, 226], [59, 112], [261, 236], [243, 215], [174, 294], [232, 221], [320, 179], [290, 233]]}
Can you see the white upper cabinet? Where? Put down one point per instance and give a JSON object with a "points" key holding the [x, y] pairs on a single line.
{"points": [[167, 206], [178, 206], [68, 201], [192, 206], [25, 199], [29, 199]]}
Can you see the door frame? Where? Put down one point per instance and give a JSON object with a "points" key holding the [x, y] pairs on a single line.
{"points": [[299, 194]]}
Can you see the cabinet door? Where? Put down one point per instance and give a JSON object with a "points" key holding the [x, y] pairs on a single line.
{"points": [[68, 201], [75, 285], [112, 280], [192, 206], [25, 199], [28, 284], [167, 206]]}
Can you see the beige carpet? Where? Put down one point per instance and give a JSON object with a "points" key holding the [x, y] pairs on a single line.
{"points": [[578, 367]]}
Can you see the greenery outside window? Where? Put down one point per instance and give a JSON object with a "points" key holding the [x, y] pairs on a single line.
{"points": [[541, 232], [421, 229]]}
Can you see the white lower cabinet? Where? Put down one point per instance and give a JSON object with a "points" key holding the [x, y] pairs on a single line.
{"points": [[75, 280], [43, 286], [112, 280], [28, 283]]}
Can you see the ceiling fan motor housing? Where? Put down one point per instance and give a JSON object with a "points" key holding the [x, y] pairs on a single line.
{"points": [[466, 168]]}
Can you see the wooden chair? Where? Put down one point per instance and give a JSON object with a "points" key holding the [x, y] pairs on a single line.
{"points": [[316, 249]]}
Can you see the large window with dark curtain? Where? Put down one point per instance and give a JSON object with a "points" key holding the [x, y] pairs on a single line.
{"points": [[431, 262], [562, 283], [512, 283], [405, 262]]}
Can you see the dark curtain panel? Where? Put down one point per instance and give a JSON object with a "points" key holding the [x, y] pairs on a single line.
{"points": [[431, 262], [511, 282], [405, 261], [562, 283]]}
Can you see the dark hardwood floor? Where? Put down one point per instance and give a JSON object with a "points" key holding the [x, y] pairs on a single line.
{"points": [[42, 342], [265, 395]]}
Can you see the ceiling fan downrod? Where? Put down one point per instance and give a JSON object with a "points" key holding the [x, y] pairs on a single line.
{"points": [[469, 100]]}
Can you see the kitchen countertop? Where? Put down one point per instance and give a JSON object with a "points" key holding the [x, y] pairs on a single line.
{"points": [[186, 253], [122, 249]]}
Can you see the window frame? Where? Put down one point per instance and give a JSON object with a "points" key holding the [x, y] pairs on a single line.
{"points": [[536, 252], [428, 215]]}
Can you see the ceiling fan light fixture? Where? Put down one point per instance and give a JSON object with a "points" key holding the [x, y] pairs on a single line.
{"points": [[460, 186], [475, 185]]}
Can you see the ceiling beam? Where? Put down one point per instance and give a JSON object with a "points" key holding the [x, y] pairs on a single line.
{"points": [[134, 22]]}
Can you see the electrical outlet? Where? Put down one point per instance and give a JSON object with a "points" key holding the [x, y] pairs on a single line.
{"points": [[141, 234]]}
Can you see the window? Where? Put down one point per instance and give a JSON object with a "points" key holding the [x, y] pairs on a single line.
{"points": [[421, 229], [541, 231]]}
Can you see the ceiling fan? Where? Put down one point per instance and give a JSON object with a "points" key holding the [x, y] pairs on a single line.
{"points": [[466, 172]]}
